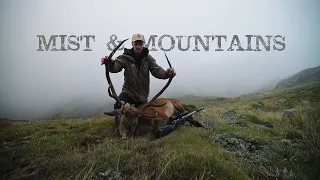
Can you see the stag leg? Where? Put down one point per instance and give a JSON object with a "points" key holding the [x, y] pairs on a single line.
{"points": [[122, 131], [136, 132], [158, 123], [116, 118], [116, 125], [144, 126]]}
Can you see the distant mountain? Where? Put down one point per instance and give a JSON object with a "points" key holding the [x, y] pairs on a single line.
{"points": [[268, 86], [80, 108], [303, 76]]}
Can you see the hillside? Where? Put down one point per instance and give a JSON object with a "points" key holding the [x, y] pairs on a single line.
{"points": [[303, 76], [271, 135]]}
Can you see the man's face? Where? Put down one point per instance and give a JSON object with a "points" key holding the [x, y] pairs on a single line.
{"points": [[137, 46]]}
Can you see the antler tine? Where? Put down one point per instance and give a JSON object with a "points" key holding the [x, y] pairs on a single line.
{"points": [[112, 93], [123, 107], [159, 93]]}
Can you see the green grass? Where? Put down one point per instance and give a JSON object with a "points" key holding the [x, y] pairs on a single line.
{"points": [[236, 144], [74, 148]]}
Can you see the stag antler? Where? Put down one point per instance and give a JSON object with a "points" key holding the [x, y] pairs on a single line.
{"points": [[111, 91], [150, 103]]}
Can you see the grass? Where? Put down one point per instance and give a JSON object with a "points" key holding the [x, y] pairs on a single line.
{"points": [[235, 145]]}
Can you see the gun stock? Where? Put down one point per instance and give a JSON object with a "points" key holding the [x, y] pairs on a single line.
{"points": [[175, 122]]}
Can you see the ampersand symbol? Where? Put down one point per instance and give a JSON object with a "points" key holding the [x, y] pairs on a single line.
{"points": [[113, 38]]}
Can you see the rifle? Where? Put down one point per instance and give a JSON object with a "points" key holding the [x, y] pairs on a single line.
{"points": [[175, 121]]}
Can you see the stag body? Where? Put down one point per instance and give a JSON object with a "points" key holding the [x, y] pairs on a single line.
{"points": [[132, 121]]}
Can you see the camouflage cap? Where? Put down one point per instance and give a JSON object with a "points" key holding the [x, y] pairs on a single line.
{"points": [[137, 37]]}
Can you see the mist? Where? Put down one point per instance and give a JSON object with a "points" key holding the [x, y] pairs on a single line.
{"points": [[36, 84]]}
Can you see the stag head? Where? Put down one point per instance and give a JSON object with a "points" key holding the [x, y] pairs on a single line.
{"points": [[128, 120]]}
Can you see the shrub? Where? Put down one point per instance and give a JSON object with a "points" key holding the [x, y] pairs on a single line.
{"points": [[189, 107]]}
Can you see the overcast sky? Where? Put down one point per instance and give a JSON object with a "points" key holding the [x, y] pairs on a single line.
{"points": [[33, 81]]}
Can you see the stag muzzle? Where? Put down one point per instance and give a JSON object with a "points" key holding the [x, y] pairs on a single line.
{"points": [[124, 136]]}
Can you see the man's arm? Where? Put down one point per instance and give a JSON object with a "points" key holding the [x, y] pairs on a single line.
{"points": [[116, 65], [156, 70]]}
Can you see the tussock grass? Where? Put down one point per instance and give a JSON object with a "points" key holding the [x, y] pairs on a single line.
{"points": [[244, 149], [83, 149]]}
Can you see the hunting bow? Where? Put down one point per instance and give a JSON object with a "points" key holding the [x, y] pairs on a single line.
{"points": [[112, 93]]}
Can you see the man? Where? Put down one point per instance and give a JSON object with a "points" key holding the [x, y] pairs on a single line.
{"points": [[137, 63]]}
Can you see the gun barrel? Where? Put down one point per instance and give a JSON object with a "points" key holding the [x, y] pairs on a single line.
{"points": [[179, 115], [200, 109], [193, 112], [183, 118]]}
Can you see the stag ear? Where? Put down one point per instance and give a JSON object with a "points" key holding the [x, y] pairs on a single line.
{"points": [[113, 113]]}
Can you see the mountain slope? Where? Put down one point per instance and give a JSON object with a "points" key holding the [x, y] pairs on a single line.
{"points": [[305, 75], [249, 137]]}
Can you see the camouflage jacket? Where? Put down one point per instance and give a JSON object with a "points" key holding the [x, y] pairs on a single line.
{"points": [[137, 80]]}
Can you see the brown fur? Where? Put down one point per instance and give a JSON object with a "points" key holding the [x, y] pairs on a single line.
{"points": [[131, 123]]}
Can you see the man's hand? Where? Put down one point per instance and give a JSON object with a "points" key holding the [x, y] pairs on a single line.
{"points": [[104, 59], [118, 106], [171, 72]]}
